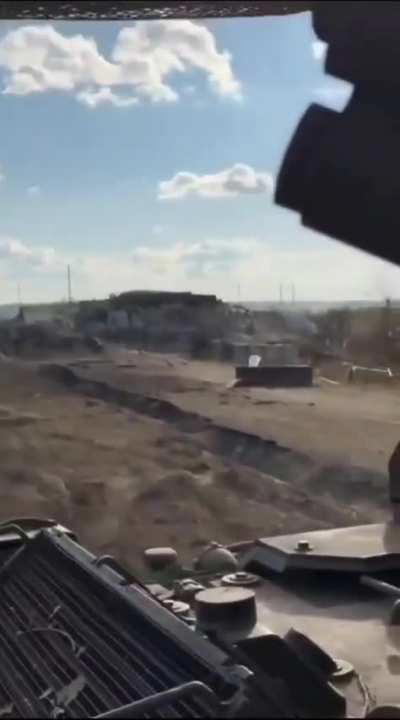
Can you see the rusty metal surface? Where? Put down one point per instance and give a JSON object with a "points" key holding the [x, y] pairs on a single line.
{"points": [[152, 9]]}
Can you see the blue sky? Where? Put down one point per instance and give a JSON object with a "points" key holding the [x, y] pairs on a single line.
{"points": [[145, 154]]}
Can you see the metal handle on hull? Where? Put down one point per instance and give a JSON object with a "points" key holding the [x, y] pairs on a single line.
{"points": [[157, 702]]}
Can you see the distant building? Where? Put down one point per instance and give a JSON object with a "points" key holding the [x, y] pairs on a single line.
{"points": [[118, 320], [155, 299]]}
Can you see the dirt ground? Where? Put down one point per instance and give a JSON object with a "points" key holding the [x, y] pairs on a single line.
{"points": [[126, 476], [353, 425]]}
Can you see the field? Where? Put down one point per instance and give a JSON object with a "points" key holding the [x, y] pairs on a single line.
{"points": [[163, 451]]}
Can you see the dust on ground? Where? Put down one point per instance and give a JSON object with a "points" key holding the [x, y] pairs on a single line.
{"points": [[125, 480]]}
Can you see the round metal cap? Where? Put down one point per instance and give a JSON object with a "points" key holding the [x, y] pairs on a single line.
{"points": [[216, 559], [226, 606], [241, 579], [160, 558]]}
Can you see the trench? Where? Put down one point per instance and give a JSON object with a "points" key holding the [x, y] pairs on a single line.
{"points": [[344, 482]]}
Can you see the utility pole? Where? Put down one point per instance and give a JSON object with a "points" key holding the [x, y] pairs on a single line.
{"points": [[280, 294], [293, 293], [20, 316], [69, 285], [387, 325]]}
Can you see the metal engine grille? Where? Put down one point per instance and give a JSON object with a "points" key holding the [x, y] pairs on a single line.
{"points": [[74, 643]]}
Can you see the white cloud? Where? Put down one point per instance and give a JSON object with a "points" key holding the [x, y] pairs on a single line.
{"points": [[2, 175], [103, 96], [337, 93], [319, 49], [203, 256], [206, 265], [237, 180], [34, 191], [259, 264], [152, 51], [13, 250], [215, 266], [38, 58]]}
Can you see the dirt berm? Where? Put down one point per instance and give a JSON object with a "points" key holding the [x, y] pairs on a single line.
{"points": [[336, 483]]}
